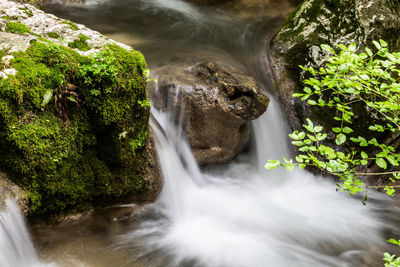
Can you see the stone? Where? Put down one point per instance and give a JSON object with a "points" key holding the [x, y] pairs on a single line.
{"points": [[332, 22], [217, 103], [298, 42], [74, 124], [9, 189]]}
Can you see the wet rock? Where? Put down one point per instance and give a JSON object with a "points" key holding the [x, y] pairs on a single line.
{"points": [[331, 22], [9, 189], [217, 102], [78, 135]]}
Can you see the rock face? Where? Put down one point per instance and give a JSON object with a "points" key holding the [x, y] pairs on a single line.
{"points": [[73, 113], [332, 22], [8, 188], [217, 104]]}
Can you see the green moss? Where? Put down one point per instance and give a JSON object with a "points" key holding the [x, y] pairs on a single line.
{"points": [[80, 43], [6, 17], [26, 11], [2, 54], [65, 145], [16, 27], [53, 35], [72, 25], [141, 139]]}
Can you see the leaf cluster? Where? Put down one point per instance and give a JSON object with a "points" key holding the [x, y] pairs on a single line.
{"points": [[370, 79]]}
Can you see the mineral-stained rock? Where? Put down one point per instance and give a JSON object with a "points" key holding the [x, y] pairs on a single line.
{"points": [[73, 116], [217, 104]]}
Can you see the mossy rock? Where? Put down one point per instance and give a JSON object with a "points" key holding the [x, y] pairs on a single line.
{"points": [[73, 128], [68, 122]]}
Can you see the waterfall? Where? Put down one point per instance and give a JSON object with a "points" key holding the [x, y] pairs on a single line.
{"points": [[16, 248], [246, 216]]}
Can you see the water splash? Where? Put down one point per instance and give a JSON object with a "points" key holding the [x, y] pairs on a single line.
{"points": [[246, 216], [16, 248]]}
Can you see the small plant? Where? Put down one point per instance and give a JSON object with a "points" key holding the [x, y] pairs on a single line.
{"points": [[27, 11], [80, 43], [370, 79], [100, 69], [16, 27], [53, 35], [146, 73], [392, 260], [72, 25], [349, 79], [144, 103]]}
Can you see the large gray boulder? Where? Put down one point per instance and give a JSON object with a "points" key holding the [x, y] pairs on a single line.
{"points": [[217, 102]]}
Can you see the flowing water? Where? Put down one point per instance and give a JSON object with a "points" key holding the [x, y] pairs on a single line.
{"points": [[16, 248], [236, 214]]}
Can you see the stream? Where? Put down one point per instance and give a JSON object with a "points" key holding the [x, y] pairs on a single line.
{"points": [[235, 214]]}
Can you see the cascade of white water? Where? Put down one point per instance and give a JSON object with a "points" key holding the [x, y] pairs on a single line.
{"points": [[16, 248], [251, 217]]}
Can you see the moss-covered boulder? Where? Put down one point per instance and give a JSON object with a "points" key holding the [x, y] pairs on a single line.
{"points": [[73, 113], [332, 22]]}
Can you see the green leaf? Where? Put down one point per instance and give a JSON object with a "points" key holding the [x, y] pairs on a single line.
{"points": [[390, 190], [326, 47], [318, 129], [307, 90], [298, 143], [289, 166], [272, 164], [377, 45], [352, 47], [299, 159], [337, 118], [340, 139], [347, 130], [381, 163], [47, 97], [383, 43], [394, 241], [392, 160], [336, 129], [297, 95], [364, 155], [312, 102], [369, 52]]}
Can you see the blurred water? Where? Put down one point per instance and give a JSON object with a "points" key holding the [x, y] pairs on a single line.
{"points": [[16, 248], [246, 216], [233, 215]]}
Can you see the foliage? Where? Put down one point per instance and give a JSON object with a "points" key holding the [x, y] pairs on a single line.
{"points": [[71, 25], [26, 11], [80, 43], [16, 27], [392, 260], [53, 35], [347, 81]]}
